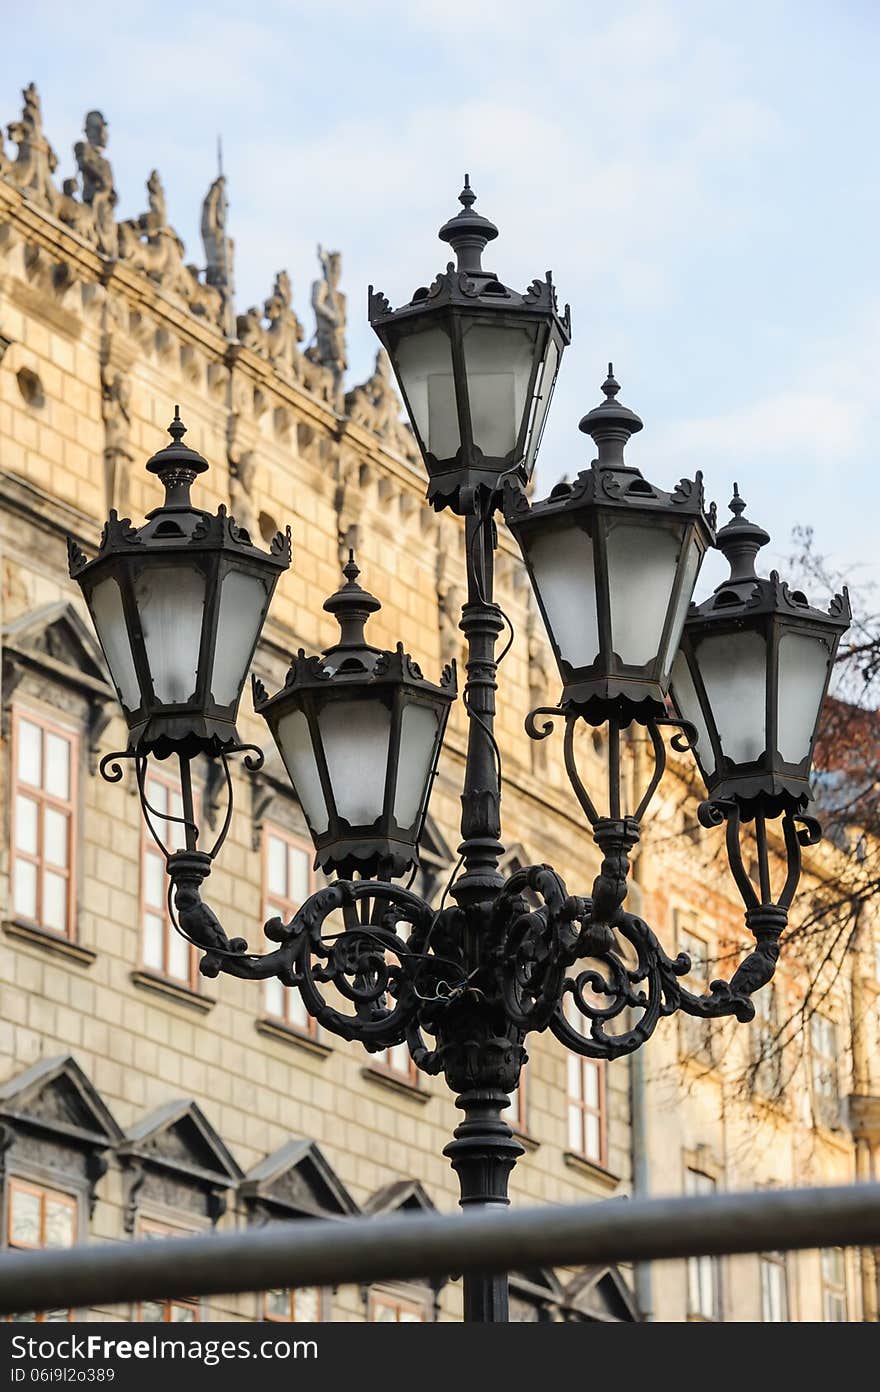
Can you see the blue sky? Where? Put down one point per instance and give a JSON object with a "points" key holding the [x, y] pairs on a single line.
{"points": [[702, 179]]}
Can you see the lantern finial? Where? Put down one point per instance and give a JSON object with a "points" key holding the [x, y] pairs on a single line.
{"points": [[352, 606], [611, 424], [177, 466], [468, 232], [739, 542]]}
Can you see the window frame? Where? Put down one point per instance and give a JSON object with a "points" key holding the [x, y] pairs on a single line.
{"points": [[391, 1300], [697, 1266], [833, 1290], [150, 848], [381, 1062], [579, 1023], [776, 1261], [516, 1114], [696, 1036], [162, 1228], [71, 734], [291, 1318], [34, 1186], [826, 1103], [272, 903]]}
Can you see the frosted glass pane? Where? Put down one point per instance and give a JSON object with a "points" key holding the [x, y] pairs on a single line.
{"points": [[273, 998], [299, 864], [59, 1223], [54, 914], [592, 1147], [562, 563], [544, 391], [171, 604], [734, 671], [277, 866], [242, 601], [278, 1304], [25, 889], [178, 956], [498, 364], [154, 942], [803, 669], [175, 831], [296, 1011], [26, 825], [574, 1077], [105, 603], [55, 837], [295, 745], [424, 361], [591, 1084], [684, 696], [30, 753], [641, 572], [690, 570], [24, 1223], [418, 737], [56, 771], [356, 736]]}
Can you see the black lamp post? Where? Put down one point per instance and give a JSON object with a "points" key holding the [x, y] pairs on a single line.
{"points": [[613, 560]]}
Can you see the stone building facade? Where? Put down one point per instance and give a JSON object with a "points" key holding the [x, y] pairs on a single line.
{"points": [[139, 1099]]}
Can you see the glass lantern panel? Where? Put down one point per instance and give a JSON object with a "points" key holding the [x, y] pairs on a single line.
{"points": [[171, 603], [544, 385], [734, 671], [684, 696], [642, 565], [105, 603], [356, 735], [418, 738], [498, 363], [294, 741], [242, 602], [424, 364], [564, 579], [803, 670], [689, 573]]}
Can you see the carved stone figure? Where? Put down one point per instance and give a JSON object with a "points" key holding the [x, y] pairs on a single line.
{"points": [[98, 190], [242, 477], [218, 246], [35, 161], [328, 302], [376, 405], [349, 503], [278, 340], [118, 454], [150, 244]]}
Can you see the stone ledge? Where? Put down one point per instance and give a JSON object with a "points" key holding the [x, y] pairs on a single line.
{"points": [[173, 990], [375, 1073], [49, 941], [525, 1138], [289, 1034], [591, 1170]]}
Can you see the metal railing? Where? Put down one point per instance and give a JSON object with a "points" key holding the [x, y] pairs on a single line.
{"points": [[315, 1252]]}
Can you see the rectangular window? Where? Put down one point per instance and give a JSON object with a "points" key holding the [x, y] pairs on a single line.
{"points": [[766, 1046], [39, 1218], [516, 1115], [703, 1273], [388, 1309], [696, 1036], [288, 880], [774, 1287], [293, 1306], [824, 1066], [397, 1060], [833, 1284], [166, 1311], [164, 950], [43, 843], [585, 1097]]}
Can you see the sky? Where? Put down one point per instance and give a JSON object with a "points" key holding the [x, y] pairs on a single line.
{"points": [[701, 178]]}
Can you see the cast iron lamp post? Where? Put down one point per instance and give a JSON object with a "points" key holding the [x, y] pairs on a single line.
{"points": [[178, 606]]}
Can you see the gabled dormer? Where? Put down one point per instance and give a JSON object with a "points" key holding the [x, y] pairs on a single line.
{"points": [[177, 1166], [295, 1181]]}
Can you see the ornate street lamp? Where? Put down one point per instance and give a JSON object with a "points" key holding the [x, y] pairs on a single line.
{"points": [[476, 363], [613, 560]]}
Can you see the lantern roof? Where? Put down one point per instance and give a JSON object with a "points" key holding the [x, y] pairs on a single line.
{"points": [[744, 592], [465, 284]]}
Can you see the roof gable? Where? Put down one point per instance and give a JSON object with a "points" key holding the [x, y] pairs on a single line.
{"points": [[297, 1180], [401, 1196], [55, 1096], [600, 1293], [57, 638], [178, 1137]]}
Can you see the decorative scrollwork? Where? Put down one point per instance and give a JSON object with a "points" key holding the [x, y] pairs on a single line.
{"points": [[547, 727], [110, 768]]}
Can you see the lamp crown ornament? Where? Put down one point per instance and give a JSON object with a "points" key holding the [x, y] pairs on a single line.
{"points": [[351, 605], [468, 232], [177, 466], [739, 541], [611, 424]]}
